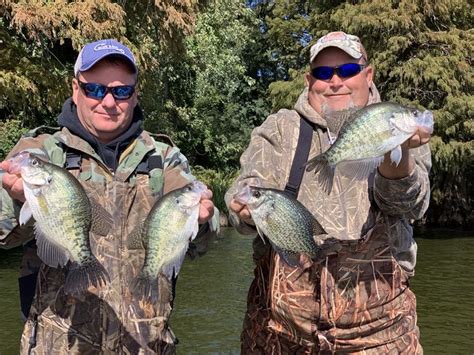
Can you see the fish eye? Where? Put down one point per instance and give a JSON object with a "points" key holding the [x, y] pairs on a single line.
{"points": [[34, 162], [256, 194]]}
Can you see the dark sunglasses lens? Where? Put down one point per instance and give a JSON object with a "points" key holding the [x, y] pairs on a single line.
{"points": [[323, 73], [349, 69], [95, 91], [122, 92]]}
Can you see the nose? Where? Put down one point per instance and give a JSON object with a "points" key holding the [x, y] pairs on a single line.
{"points": [[335, 81], [108, 100]]}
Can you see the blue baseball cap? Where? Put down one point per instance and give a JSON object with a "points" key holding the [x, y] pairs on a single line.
{"points": [[93, 52]]}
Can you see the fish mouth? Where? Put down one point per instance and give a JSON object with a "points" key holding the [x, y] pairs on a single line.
{"points": [[18, 161], [243, 195], [201, 189]]}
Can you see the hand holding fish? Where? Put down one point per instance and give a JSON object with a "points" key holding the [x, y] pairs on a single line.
{"points": [[12, 181], [390, 170], [206, 207], [241, 210], [374, 136]]}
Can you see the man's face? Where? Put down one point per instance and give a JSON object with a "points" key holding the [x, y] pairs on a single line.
{"points": [[106, 119], [337, 93]]}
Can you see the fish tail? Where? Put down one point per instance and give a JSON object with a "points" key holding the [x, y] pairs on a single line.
{"points": [[145, 288], [425, 121], [81, 276], [326, 171]]}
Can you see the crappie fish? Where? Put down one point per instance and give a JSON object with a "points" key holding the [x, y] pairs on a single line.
{"points": [[365, 138], [64, 216], [165, 234], [290, 227]]}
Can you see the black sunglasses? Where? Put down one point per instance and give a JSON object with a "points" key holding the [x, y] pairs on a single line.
{"points": [[98, 91], [343, 71]]}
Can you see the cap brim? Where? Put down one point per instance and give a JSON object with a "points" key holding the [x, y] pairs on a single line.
{"points": [[352, 52]]}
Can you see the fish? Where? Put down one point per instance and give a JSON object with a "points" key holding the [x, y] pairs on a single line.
{"points": [[291, 229], [169, 227], [64, 217], [364, 139]]}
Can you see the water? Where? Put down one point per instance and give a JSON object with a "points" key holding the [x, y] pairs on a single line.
{"points": [[211, 296]]}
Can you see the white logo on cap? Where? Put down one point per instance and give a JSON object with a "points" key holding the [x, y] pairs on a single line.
{"points": [[105, 46]]}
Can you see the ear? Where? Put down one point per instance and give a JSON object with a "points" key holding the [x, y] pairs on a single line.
{"points": [[308, 80], [369, 75], [75, 90]]}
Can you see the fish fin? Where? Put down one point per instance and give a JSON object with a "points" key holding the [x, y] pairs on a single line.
{"points": [[326, 246], [82, 276], [396, 155], [261, 234], [359, 169], [137, 238], [144, 287], [101, 219], [340, 120], [290, 257], [25, 213], [326, 171], [425, 121], [172, 268], [50, 252], [317, 227], [189, 232]]}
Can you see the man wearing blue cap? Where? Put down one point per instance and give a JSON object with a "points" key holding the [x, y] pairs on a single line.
{"points": [[102, 143]]}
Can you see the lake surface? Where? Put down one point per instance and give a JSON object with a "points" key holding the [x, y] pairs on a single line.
{"points": [[212, 290]]}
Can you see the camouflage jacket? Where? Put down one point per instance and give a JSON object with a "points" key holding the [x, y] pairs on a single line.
{"points": [[335, 302], [107, 320], [270, 155]]}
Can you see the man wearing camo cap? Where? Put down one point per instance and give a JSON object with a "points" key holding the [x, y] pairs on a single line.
{"points": [[357, 299]]}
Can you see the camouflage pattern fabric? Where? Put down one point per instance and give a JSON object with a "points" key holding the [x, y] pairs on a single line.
{"points": [[106, 320], [357, 300]]}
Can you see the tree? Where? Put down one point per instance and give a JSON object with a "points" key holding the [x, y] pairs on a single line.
{"points": [[213, 97]]}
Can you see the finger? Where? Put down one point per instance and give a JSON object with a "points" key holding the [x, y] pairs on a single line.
{"points": [[8, 180], [206, 211], [16, 191], [245, 214], [236, 206], [4, 165]]}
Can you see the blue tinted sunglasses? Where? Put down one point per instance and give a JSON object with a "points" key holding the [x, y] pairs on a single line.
{"points": [[98, 91], [343, 71]]}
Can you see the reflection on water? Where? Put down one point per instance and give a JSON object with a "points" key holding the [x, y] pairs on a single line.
{"points": [[444, 287], [211, 296]]}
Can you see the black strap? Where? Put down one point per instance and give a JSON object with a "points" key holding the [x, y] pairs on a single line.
{"points": [[151, 162], [301, 157], [73, 160]]}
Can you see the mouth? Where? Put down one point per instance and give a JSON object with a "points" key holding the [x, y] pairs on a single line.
{"points": [[105, 114], [337, 95]]}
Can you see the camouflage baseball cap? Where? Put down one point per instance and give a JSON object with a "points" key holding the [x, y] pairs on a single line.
{"points": [[348, 43]]}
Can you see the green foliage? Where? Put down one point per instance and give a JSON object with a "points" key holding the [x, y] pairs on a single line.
{"points": [[212, 101], [10, 132]]}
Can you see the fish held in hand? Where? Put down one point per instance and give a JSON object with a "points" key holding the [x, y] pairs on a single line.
{"points": [[165, 235], [291, 229], [364, 139], [64, 216]]}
